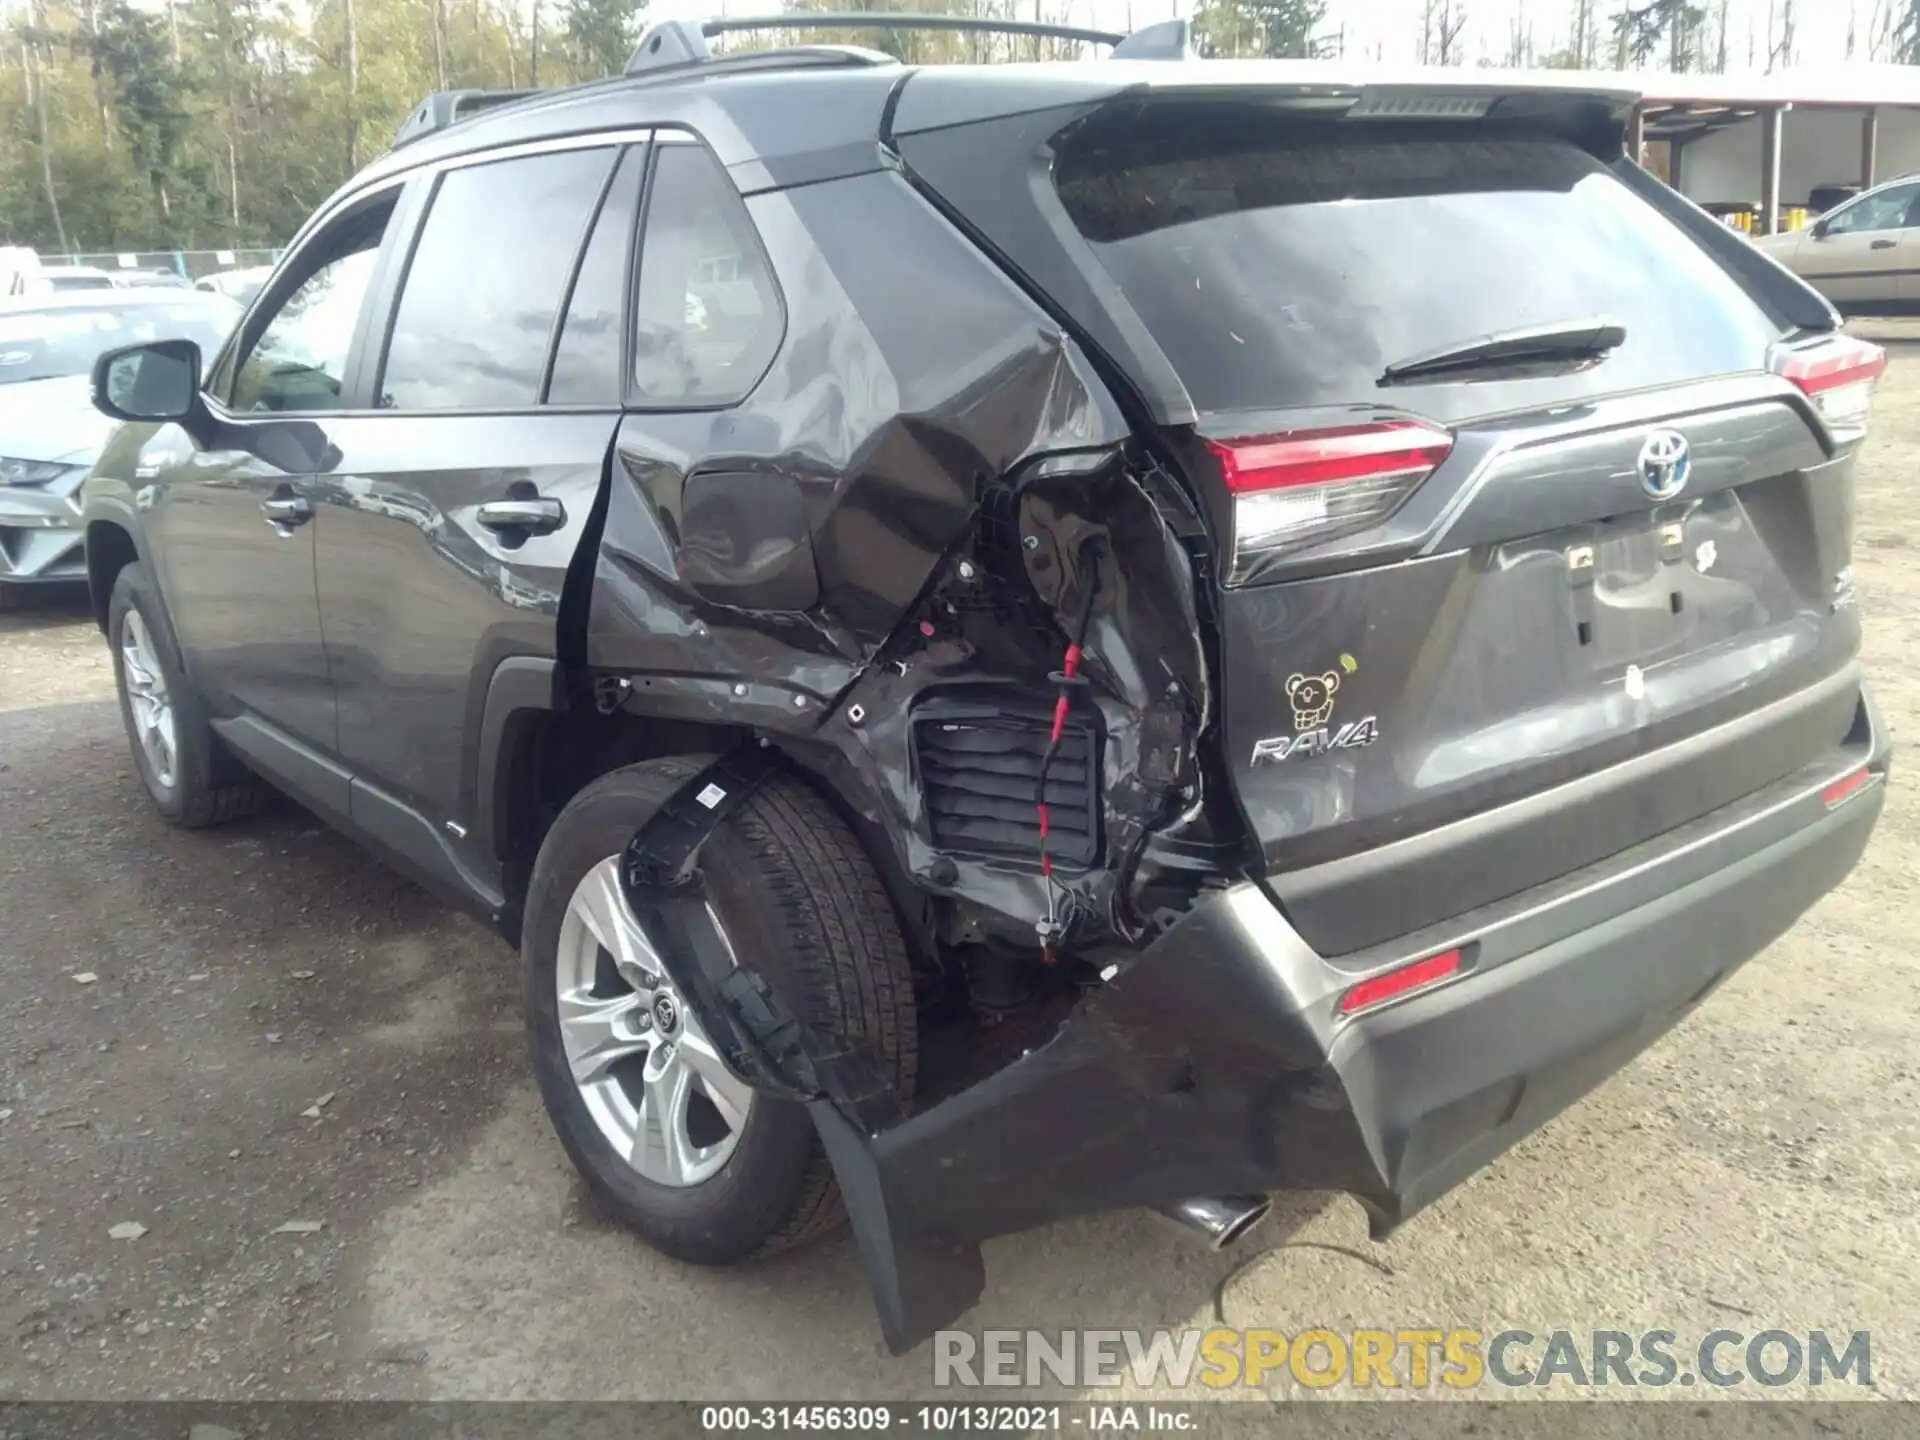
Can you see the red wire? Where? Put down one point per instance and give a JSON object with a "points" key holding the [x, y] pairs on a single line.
{"points": [[1069, 668]]}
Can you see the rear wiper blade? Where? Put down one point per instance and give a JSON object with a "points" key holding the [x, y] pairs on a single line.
{"points": [[1559, 346]]}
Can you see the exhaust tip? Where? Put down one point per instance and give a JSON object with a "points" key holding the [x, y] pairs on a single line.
{"points": [[1248, 1219], [1218, 1220]]}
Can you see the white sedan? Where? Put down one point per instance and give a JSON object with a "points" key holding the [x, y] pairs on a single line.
{"points": [[50, 431], [1864, 255]]}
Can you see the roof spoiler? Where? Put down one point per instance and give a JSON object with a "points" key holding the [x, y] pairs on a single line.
{"points": [[446, 107], [684, 42]]}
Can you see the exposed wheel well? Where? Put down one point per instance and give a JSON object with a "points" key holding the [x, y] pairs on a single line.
{"points": [[109, 551], [548, 757]]}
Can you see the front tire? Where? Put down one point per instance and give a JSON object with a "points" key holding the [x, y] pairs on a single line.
{"points": [[796, 898], [174, 748]]}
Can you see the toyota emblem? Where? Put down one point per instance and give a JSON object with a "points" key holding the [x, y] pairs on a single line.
{"points": [[1665, 462]]}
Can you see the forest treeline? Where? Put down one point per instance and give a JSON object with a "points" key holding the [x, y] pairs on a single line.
{"points": [[200, 124]]}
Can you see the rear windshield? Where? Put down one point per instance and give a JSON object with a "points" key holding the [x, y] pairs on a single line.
{"points": [[1293, 265]]}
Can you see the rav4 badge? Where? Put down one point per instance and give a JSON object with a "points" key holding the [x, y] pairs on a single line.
{"points": [[1350, 736]]}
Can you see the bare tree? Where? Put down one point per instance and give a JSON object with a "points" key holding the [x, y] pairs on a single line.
{"points": [[1520, 38], [1780, 37], [233, 175], [97, 69], [225, 26], [1441, 24], [353, 90], [439, 44], [1453, 22], [1586, 34], [37, 87], [1885, 28]]}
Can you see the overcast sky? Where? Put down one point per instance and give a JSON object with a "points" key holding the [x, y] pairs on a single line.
{"points": [[1391, 28]]}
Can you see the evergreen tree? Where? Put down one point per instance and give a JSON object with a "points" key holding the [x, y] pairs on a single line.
{"points": [[1279, 29], [602, 33]]}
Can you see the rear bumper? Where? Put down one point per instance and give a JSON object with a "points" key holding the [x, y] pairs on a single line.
{"points": [[1445, 1082], [1216, 1062]]}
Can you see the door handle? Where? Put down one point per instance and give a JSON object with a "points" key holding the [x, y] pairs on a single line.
{"points": [[1884, 244], [287, 511], [537, 516]]}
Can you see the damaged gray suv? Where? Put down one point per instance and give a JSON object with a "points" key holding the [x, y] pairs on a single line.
{"points": [[1024, 639]]}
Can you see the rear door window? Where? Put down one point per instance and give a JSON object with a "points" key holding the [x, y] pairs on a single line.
{"points": [[708, 316], [483, 290], [1289, 264], [586, 361]]}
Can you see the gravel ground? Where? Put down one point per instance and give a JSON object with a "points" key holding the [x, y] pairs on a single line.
{"points": [[217, 1035]]}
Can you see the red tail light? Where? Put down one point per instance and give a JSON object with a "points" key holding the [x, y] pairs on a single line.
{"points": [[1395, 983], [1303, 486], [1839, 376]]}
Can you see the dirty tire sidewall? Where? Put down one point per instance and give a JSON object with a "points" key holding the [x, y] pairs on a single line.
{"points": [[194, 799], [791, 886]]}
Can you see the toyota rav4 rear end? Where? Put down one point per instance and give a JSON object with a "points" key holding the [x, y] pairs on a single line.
{"points": [[1514, 498]]}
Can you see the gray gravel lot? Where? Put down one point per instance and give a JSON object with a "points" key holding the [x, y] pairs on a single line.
{"points": [[1755, 1170]]}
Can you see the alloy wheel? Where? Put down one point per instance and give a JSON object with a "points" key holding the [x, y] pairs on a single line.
{"points": [[653, 1081], [147, 699]]}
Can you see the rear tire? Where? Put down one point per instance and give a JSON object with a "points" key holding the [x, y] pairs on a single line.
{"points": [[799, 901], [190, 779]]}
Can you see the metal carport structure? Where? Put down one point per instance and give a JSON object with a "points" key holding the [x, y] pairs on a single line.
{"points": [[1690, 112]]}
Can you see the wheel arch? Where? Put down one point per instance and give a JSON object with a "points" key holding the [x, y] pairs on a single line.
{"points": [[110, 548], [544, 737], [114, 540]]}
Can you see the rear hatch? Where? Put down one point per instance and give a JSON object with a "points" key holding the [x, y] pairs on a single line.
{"points": [[1528, 544]]}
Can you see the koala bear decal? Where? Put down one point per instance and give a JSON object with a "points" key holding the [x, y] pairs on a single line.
{"points": [[1312, 697]]}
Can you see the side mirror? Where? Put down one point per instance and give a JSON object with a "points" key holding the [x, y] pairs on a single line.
{"points": [[158, 381], [1818, 230]]}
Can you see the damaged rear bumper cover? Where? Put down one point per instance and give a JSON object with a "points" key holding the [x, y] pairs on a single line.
{"points": [[1217, 1061]]}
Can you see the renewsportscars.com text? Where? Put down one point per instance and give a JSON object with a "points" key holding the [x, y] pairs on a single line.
{"points": [[1410, 1358]]}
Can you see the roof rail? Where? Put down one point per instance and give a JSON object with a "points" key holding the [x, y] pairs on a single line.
{"points": [[684, 42], [445, 107]]}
